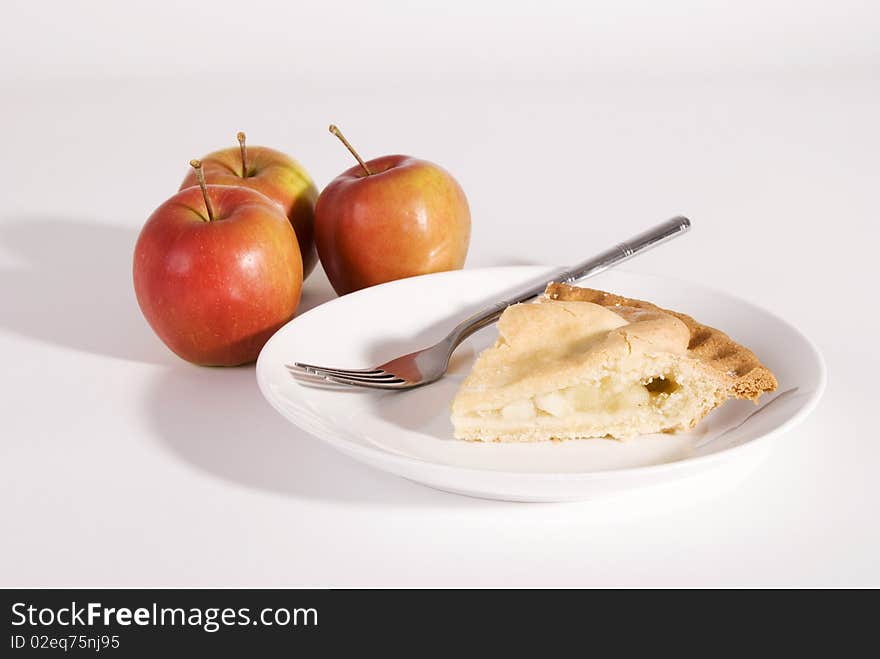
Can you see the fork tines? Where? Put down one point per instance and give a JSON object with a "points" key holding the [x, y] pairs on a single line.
{"points": [[374, 378]]}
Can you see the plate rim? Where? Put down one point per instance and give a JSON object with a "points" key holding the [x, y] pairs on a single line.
{"points": [[373, 453]]}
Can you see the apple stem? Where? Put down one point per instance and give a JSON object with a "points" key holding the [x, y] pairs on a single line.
{"points": [[338, 133], [243, 147], [197, 165]]}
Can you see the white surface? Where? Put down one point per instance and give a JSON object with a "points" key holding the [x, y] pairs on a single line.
{"points": [[121, 465], [410, 433]]}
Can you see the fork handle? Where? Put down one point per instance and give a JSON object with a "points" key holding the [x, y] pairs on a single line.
{"points": [[599, 263]]}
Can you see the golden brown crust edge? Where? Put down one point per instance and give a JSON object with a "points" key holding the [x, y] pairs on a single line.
{"points": [[750, 378]]}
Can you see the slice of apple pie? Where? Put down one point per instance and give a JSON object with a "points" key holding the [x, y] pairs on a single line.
{"points": [[585, 363]]}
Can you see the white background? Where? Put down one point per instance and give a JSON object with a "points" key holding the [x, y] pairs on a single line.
{"points": [[570, 126]]}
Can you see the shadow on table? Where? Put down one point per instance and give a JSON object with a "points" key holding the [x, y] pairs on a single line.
{"points": [[217, 421], [72, 287]]}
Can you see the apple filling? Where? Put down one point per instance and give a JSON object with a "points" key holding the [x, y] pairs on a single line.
{"points": [[610, 396], [620, 402]]}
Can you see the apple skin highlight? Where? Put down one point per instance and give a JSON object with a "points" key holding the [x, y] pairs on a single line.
{"points": [[214, 292], [408, 217]]}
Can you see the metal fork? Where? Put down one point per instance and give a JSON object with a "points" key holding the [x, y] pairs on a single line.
{"points": [[430, 364]]}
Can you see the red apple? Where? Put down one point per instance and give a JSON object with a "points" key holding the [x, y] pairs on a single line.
{"points": [[389, 218], [276, 175], [215, 280]]}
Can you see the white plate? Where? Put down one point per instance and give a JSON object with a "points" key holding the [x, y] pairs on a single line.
{"points": [[409, 433]]}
